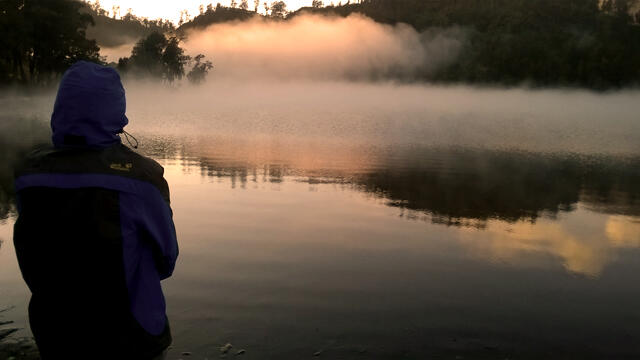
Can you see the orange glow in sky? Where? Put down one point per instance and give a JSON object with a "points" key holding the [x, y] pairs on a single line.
{"points": [[155, 9]]}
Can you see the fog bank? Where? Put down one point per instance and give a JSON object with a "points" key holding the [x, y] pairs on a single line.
{"points": [[374, 114], [390, 114], [320, 47]]}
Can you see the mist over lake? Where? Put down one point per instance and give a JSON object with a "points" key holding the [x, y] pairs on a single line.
{"points": [[376, 179], [379, 220]]}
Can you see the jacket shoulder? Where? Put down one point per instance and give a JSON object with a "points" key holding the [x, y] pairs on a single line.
{"points": [[117, 160], [138, 165], [142, 168]]}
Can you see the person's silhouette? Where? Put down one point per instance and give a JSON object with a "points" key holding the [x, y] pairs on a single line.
{"points": [[94, 235]]}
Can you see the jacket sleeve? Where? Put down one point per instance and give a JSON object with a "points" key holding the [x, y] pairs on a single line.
{"points": [[157, 222]]}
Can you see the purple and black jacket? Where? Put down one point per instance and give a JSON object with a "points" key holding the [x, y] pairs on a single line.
{"points": [[94, 235]]}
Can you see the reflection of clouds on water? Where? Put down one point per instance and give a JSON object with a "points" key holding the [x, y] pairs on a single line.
{"points": [[524, 209], [585, 242], [523, 162], [516, 207], [623, 231], [460, 187]]}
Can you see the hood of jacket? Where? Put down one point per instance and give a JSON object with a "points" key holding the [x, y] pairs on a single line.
{"points": [[90, 107]]}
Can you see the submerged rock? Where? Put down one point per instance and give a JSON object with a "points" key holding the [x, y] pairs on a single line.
{"points": [[225, 349], [6, 332]]}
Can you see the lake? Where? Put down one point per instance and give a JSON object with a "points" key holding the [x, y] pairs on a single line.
{"points": [[380, 221]]}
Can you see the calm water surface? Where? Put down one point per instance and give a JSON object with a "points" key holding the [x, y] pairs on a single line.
{"points": [[385, 237]]}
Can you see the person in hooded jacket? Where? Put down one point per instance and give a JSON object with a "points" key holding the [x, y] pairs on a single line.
{"points": [[94, 234]]}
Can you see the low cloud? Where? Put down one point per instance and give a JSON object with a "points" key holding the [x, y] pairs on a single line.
{"points": [[321, 47], [112, 54]]}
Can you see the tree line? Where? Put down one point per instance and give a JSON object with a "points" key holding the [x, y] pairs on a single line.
{"points": [[237, 11], [160, 57], [110, 29], [41, 39], [577, 43], [585, 43]]}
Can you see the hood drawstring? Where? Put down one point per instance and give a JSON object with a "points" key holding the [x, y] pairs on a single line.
{"points": [[127, 135]]}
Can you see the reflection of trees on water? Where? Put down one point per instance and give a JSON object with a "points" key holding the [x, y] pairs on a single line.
{"points": [[480, 185], [509, 186], [238, 171], [455, 186]]}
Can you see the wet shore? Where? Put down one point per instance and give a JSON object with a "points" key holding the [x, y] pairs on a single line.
{"points": [[13, 347]]}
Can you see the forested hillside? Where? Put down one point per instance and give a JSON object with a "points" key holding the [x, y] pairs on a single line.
{"points": [[109, 31], [41, 39], [588, 43], [576, 43], [216, 15]]}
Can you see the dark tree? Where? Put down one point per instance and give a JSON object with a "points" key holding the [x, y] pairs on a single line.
{"points": [[157, 57], [41, 39], [173, 60], [146, 56], [278, 9], [200, 70], [123, 65]]}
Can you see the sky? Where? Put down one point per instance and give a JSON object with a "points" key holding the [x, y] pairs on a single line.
{"points": [[155, 9]]}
